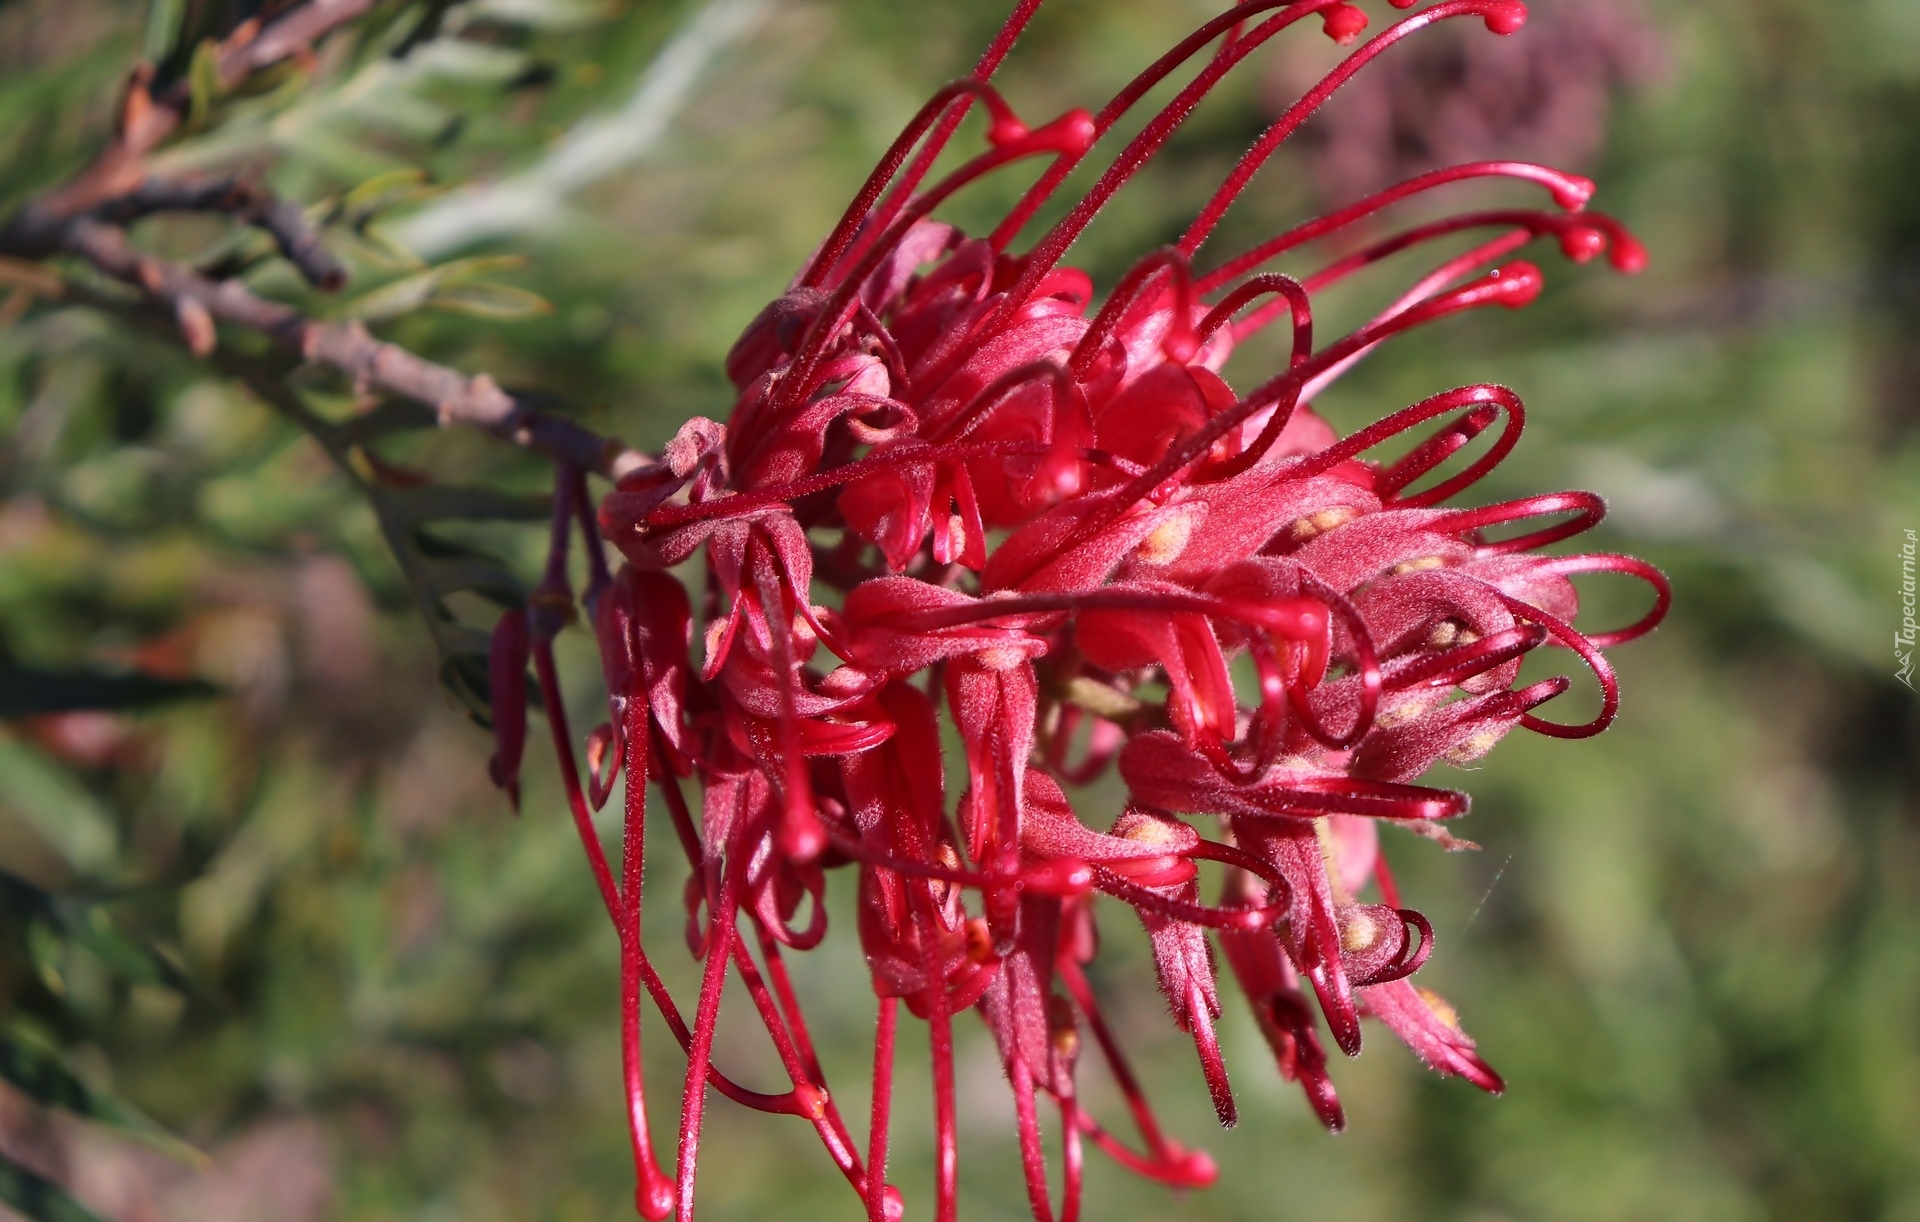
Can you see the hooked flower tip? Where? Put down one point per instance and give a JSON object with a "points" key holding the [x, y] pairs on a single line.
{"points": [[1506, 16], [802, 838], [654, 1197], [1629, 256], [1070, 135], [1573, 191], [1343, 23], [810, 1101], [1580, 243], [1196, 1169], [1516, 284]]}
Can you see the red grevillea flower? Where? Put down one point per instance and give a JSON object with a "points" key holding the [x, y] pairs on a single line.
{"points": [[954, 487]]}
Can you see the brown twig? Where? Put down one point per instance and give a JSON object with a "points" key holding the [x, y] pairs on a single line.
{"points": [[280, 219], [86, 218], [198, 304], [146, 120]]}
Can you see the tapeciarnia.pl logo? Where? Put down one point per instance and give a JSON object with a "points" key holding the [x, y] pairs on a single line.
{"points": [[1903, 639]]}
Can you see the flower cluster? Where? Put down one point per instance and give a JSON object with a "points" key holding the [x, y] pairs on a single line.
{"points": [[953, 486]]}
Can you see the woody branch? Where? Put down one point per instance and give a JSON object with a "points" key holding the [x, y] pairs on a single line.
{"points": [[86, 219]]}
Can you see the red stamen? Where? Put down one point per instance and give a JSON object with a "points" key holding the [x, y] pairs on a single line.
{"points": [[1570, 191], [884, 1203], [1343, 23], [1496, 13], [801, 835], [1449, 441], [1179, 1169], [1033, 1160], [1251, 920], [1131, 288], [983, 70], [653, 1191], [821, 1108], [1165, 1161], [1582, 236], [1003, 121], [1055, 138], [1211, 1065], [555, 705], [1072, 1161], [1454, 666], [1367, 665], [1596, 662], [1610, 562], [693, 1099], [940, 1044], [1587, 509], [1061, 878], [742, 504], [978, 408], [1472, 263], [1226, 23], [1047, 253], [1291, 619], [1279, 890], [1294, 298], [1511, 286]]}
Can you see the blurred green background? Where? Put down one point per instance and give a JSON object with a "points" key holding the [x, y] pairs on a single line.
{"points": [[1692, 945]]}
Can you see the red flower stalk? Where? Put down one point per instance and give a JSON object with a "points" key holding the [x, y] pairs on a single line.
{"points": [[951, 486]]}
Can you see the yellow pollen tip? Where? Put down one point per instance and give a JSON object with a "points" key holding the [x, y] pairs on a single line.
{"points": [[1166, 541], [1450, 632], [1475, 747], [1442, 1010], [1000, 657], [1320, 523], [1359, 933], [1153, 832]]}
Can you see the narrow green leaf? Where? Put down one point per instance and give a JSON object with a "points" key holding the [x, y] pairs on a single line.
{"points": [[391, 300], [57, 806], [501, 301], [409, 293], [163, 28], [370, 248], [203, 83], [385, 190]]}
